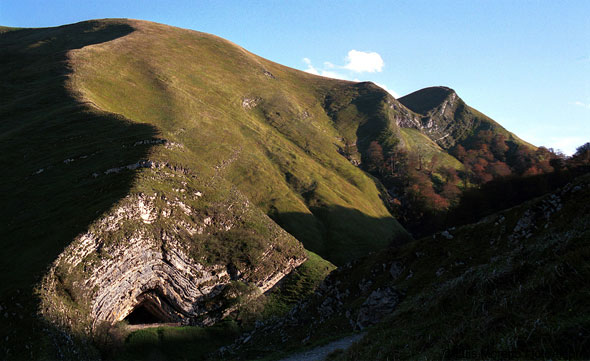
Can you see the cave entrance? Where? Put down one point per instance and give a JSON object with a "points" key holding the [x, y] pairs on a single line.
{"points": [[143, 315], [150, 309]]}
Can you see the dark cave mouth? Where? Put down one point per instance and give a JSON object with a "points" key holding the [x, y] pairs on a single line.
{"points": [[143, 315], [152, 309]]}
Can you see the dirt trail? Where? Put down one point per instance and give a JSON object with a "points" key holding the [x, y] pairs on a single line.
{"points": [[320, 353], [151, 325]]}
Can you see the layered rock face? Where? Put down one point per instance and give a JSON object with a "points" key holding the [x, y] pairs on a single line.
{"points": [[168, 281], [439, 123], [441, 117], [157, 254]]}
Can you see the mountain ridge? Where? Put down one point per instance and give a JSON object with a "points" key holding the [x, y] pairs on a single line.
{"points": [[68, 114], [131, 143], [441, 106]]}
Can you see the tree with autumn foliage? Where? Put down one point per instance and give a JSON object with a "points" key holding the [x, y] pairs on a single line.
{"points": [[582, 155], [492, 156], [422, 191], [375, 156]]}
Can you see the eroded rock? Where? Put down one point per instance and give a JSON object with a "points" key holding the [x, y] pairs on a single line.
{"points": [[151, 252], [249, 103], [381, 302]]}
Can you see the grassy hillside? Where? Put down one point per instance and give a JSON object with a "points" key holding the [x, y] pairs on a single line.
{"points": [[417, 142], [516, 292], [77, 99], [511, 286], [129, 131], [259, 121], [86, 106]]}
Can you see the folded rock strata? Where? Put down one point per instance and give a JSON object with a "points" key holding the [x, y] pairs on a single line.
{"points": [[155, 253]]}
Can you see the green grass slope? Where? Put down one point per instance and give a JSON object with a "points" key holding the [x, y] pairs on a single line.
{"points": [[81, 104], [261, 122], [512, 286], [417, 142]]}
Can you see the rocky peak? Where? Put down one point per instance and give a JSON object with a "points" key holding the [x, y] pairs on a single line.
{"points": [[442, 114], [428, 100]]}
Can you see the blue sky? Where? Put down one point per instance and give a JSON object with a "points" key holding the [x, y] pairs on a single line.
{"points": [[524, 63]]}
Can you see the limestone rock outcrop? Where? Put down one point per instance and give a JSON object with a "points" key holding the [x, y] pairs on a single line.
{"points": [[380, 303], [441, 115], [170, 257]]}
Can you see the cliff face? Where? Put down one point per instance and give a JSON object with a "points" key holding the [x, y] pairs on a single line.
{"points": [[446, 119], [162, 253], [442, 115]]}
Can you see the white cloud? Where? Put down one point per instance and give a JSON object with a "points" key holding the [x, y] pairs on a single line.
{"points": [[323, 72], [361, 62], [310, 69], [581, 104], [393, 93], [356, 62], [333, 74]]}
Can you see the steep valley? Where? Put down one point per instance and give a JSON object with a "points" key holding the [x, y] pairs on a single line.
{"points": [[511, 286], [145, 163], [161, 175]]}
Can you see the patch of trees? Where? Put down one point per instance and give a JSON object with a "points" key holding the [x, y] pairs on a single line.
{"points": [[503, 193], [492, 156], [418, 187], [426, 195]]}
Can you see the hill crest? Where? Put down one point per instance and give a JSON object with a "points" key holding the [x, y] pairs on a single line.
{"points": [[132, 141]]}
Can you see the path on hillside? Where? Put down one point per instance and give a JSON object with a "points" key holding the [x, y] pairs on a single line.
{"points": [[152, 325], [320, 353]]}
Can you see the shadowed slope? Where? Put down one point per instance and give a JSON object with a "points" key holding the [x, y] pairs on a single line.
{"points": [[50, 145], [81, 109], [260, 124], [511, 286]]}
